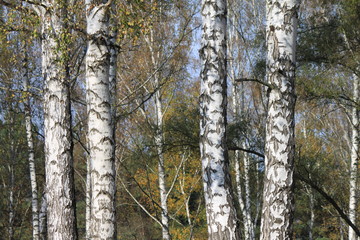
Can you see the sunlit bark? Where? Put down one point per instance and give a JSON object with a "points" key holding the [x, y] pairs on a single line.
{"points": [[57, 125], [220, 210], [278, 205], [354, 157], [42, 218], [31, 156], [100, 122]]}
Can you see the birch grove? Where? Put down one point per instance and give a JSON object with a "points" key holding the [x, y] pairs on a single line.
{"points": [[115, 122]]}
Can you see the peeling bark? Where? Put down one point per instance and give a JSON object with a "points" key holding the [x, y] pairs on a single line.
{"points": [[220, 209], [278, 204], [100, 122], [58, 140]]}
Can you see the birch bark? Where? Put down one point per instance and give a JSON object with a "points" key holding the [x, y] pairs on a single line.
{"points": [[220, 210], [58, 140], [278, 197], [88, 198], [42, 218], [30, 143], [354, 157], [159, 142], [11, 199], [248, 220], [100, 122], [238, 110]]}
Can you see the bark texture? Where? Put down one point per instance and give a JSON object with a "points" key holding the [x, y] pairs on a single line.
{"points": [[354, 157], [31, 156], [278, 205], [220, 210], [159, 141], [42, 218], [100, 122], [61, 220]]}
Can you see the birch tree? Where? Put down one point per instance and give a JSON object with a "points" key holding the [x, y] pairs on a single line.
{"points": [[159, 137], [354, 157], [30, 142], [100, 122], [220, 210], [57, 121], [278, 196], [43, 218]]}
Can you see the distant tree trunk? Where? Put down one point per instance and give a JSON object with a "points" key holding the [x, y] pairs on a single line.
{"points": [[278, 204], [88, 199], [61, 220], [354, 156], [242, 178], [42, 218], [159, 142], [220, 209], [231, 45], [249, 223], [312, 214], [310, 192], [11, 200], [238, 174], [341, 229], [100, 122], [31, 157]]}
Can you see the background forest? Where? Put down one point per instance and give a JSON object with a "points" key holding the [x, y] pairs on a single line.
{"points": [[156, 114]]}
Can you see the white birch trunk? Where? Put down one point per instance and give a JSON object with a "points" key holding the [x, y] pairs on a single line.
{"points": [[61, 220], [354, 157], [238, 110], [31, 157], [312, 214], [88, 199], [11, 200], [238, 178], [159, 137], [58, 139], [159, 142], [239, 193], [220, 210], [278, 204], [42, 218], [100, 122], [248, 219]]}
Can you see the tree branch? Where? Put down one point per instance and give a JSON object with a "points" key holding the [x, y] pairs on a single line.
{"points": [[255, 80], [234, 148], [139, 204], [331, 201]]}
